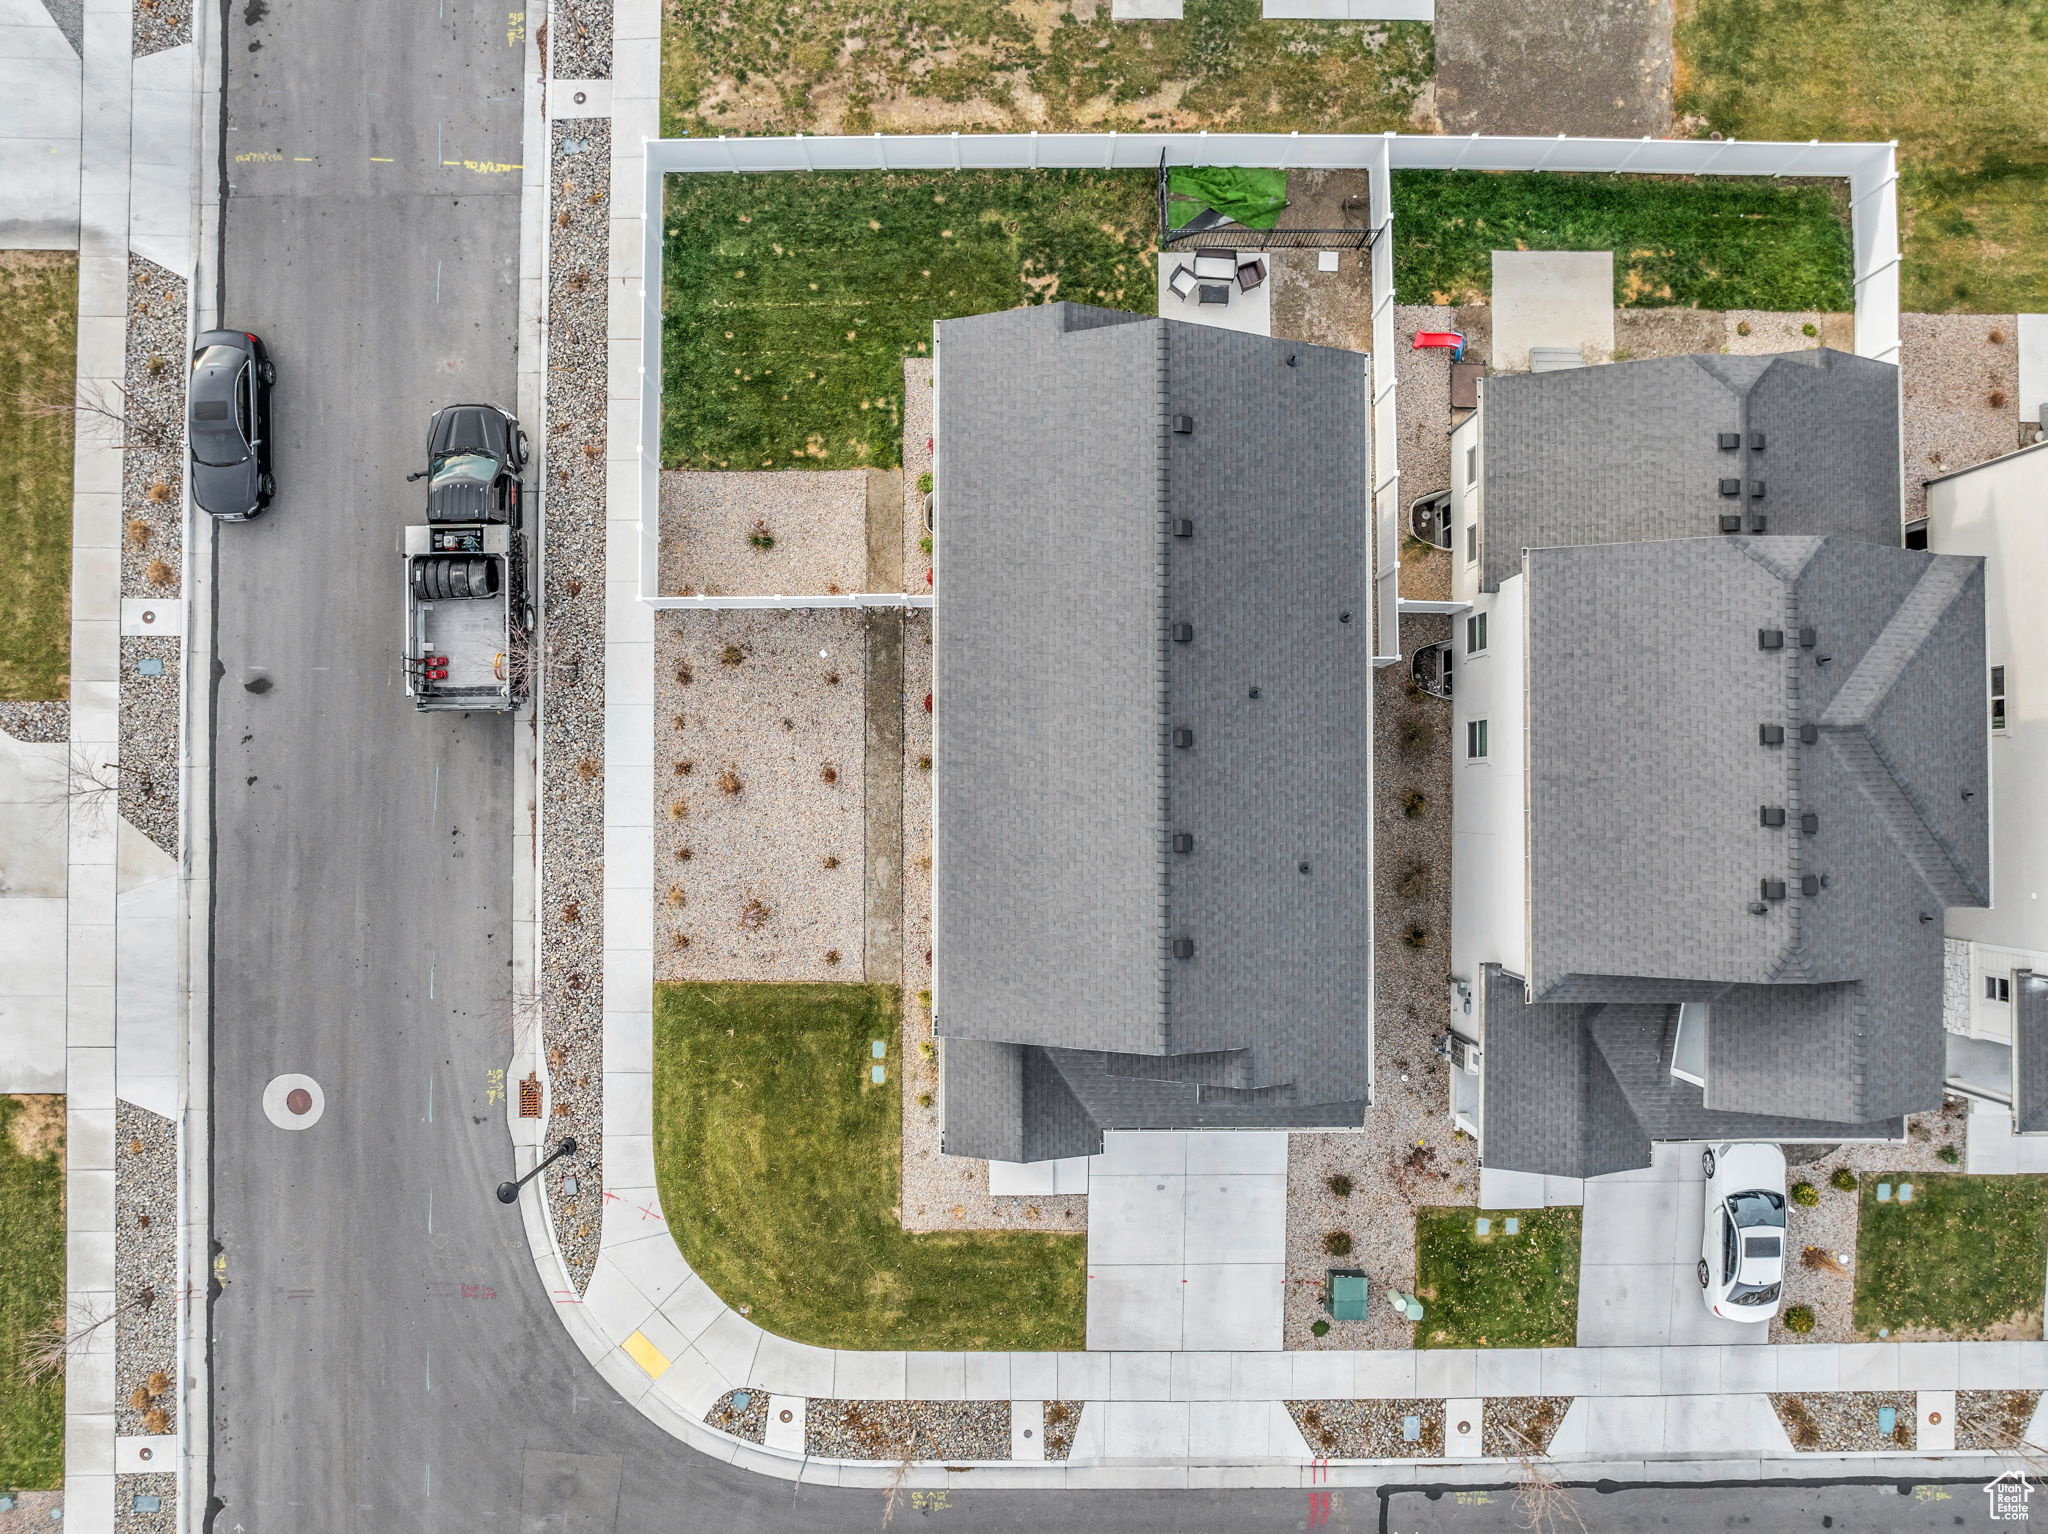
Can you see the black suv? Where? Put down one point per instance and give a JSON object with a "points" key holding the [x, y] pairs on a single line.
{"points": [[474, 455], [228, 425]]}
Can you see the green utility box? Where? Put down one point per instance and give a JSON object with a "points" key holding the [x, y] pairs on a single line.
{"points": [[1346, 1295]]}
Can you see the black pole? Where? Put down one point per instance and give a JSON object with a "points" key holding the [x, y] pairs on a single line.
{"points": [[508, 1192]]}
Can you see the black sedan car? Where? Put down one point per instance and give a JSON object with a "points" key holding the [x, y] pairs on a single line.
{"points": [[228, 425], [474, 455]]}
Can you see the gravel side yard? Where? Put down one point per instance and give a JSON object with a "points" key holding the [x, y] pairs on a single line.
{"points": [[571, 808], [1994, 1419], [580, 40], [1830, 1226], [748, 1420], [759, 834], [917, 462], [153, 466], [145, 1261], [1518, 1427], [1062, 1422], [1370, 1429], [754, 533], [128, 1519], [1408, 1154], [1845, 1422], [148, 751], [38, 723], [913, 1430], [1960, 380], [161, 24]]}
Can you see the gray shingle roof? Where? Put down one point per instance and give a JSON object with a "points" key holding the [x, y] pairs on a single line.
{"points": [[1060, 683], [1582, 1089], [1631, 451], [2029, 1052], [1648, 779]]}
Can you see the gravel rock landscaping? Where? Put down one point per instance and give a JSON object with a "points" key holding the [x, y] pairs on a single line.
{"points": [[153, 465], [1369, 1429], [912, 1430], [148, 751], [759, 815], [749, 1421], [1845, 1422], [1519, 1427], [1408, 1154], [1062, 1422], [580, 40], [795, 532], [145, 1260], [162, 1485], [1994, 1419], [917, 462], [571, 808], [1959, 376], [1830, 1226], [45, 724], [161, 24]]}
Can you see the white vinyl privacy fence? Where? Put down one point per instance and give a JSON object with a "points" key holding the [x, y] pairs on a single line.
{"points": [[1870, 170]]}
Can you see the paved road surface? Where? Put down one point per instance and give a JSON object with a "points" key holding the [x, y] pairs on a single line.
{"points": [[384, 1359]]}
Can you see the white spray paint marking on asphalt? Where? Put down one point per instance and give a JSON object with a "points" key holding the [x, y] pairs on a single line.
{"points": [[430, 1099]]}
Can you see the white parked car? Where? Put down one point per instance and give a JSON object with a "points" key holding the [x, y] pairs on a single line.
{"points": [[1742, 1253]]}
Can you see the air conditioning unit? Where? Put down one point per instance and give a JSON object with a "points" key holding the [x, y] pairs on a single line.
{"points": [[1461, 1052]]}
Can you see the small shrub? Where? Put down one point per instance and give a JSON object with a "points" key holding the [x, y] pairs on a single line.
{"points": [[1805, 1194], [159, 1382], [1844, 1179], [158, 366], [588, 768], [1821, 1260], [1319, 1328], [1338, 1184], [928, 1049], [1996, 338], [924, 1099], [924, 483], [924, 542], [729, 782], [684, 769], [731, 655], [684, 854], [679, 941], [676, 898], [679, 809], [1949, 1154], [753, 915], [1413, 734], [572, 913], [1338, 1243], [573, 587], [1416, 937], [831, 956], [924, 764], [1809, 329], [924, 999], [685, 675], [1414, 880], [829, 773], [156, 1421], [760, 537], [831, 679], [159, 573], [1413, 803], [140, 1398], [1799, 1318], [139, 533], [831, 862], [1997, 399], [1742, 327]]}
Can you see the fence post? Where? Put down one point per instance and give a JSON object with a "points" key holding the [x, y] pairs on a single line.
{"points": [[1034, 149], [1470, 144], [803, 147], [1109, 154], [732, 161]]}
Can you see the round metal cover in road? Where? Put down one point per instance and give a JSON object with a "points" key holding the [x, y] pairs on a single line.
{"points": [[294, 1102]]}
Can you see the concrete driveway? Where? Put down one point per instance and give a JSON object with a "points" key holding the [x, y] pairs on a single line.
{"points": [[1637, 1281]]}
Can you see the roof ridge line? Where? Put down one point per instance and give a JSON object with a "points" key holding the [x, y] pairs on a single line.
{"points": [[1885, 660]]}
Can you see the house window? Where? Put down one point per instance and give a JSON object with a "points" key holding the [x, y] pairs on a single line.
{"points": [[1472, 464], [1997, 988], [1998, 698], [1475, 633], [1475, 739], [1472, 541], [1689, 1049]]}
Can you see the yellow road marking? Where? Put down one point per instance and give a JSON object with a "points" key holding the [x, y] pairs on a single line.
{"points": [[258, 154], [646, 1355], [380, 159], [303, 159], [483, 167], [515, 27]]}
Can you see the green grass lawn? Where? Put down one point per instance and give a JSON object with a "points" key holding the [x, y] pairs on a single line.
{"points": [[1961, 84], [791, 300], [1967, 1258], [1497, 1290], [777, 1162], [38, 357], [31, 1286], [1710, 244], [911, 66]]}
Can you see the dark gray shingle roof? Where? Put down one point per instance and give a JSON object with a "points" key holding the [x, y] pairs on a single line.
{"points": [[2029, 1052], [1631, 451], [1060, 682], [1648, 776]]}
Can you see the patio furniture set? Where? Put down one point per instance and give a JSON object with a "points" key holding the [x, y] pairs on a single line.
{"points": [[1214, 273]]}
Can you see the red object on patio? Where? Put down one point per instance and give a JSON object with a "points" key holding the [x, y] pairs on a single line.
{"points": [[1451, 340]]}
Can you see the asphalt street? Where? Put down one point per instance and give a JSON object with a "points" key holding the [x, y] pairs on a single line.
{"points": [[384, 1358]]}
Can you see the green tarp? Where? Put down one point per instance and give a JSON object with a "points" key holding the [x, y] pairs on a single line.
{"points": [[1249, 194]]}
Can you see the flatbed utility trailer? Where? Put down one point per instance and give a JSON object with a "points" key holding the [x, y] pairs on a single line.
{"points": [[467, 621]]}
